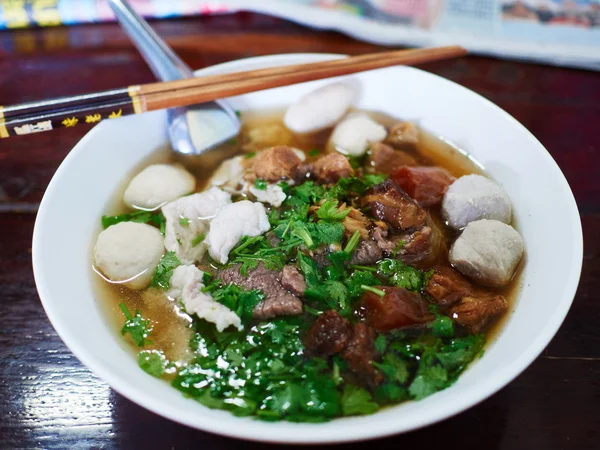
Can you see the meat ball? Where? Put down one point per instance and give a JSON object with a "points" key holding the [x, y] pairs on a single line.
{"points": [[158, 184], [355, 133], [488, 251], [319, 109], [474, 197], [128, 253]]}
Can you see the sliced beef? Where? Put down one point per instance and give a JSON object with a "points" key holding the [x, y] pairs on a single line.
{"points": [[276, 163], [447, 286], [356, 221], [398, 308], [367, 252], [426, 185], [360, 352], [388, 202], [329, 335], [475, 312], [278, 302], [330, 168], [293, 280], [403, 134], [384, 159]]}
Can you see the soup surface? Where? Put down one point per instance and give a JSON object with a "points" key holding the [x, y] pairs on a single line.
{"points": [[344, 303]]}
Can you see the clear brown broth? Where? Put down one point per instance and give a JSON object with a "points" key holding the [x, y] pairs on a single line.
{"points": [[171, 330]]}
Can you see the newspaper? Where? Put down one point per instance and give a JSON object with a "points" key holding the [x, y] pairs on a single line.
{"points": [[559, 32]]}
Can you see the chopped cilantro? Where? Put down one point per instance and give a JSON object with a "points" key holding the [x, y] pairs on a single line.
{"points": [[402, 275], [238, 300], [429, 381], [395, 368], [356, 401], [442, 326], [308, 192], [380, 343], [152, 362], [314, 152], [198, 239], [352, 242], [136, 326], [359, 278], [329, 210], [373, 290], [373, 179], [326, 232], [249, 155], [260, 184], [254, 250], [139, 216], [398, 247], [238, 113], [165, 268], [256, 372], [184, 221]]}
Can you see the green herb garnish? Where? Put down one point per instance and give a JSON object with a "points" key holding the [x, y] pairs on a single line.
{"points": [[136, 326], [165, 268], [260, 184], [198, 239], [139, 216], [352, 242], [152, 362]]}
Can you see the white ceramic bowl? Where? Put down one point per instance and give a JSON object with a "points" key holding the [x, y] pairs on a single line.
{"points": [[547, 216]]}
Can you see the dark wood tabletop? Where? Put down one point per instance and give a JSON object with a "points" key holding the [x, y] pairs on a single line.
{"points": [[48, 399]]}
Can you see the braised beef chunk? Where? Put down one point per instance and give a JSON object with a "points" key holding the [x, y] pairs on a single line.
{"points": [[367, 252], [398, 308], [384, 159], [276, 163], [403, 134], [360, 352], [333, 334], [386, 201], [293, 280], [329, 335], [278, 301], [410, 247], [416, 246], [474, 313], [426, 185], [386, 243], [330, 168], [447, 286]]}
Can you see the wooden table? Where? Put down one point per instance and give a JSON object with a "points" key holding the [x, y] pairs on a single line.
{"points": [[49, 400]]}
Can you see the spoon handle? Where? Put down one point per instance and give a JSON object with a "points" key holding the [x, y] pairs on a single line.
{"points": [[161, 58]]}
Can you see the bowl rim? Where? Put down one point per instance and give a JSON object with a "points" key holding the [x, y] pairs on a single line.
{"points": [[486, 388]]}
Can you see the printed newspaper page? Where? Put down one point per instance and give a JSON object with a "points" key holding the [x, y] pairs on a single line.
{"points": [[561, 32]]}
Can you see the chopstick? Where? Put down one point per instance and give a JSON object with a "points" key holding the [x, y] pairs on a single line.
{"points": [[93, 107]]}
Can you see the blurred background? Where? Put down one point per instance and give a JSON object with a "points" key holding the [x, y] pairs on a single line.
{"points": [[558, 32]]}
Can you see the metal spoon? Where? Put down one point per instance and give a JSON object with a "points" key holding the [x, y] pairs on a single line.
{"points": [[192, 130]]}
